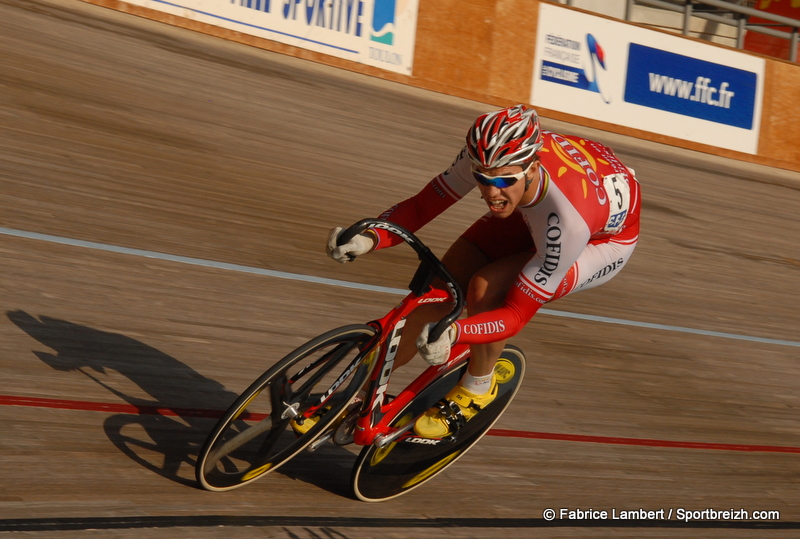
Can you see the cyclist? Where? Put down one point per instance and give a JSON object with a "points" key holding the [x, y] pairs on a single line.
{"points": [[563, 216]]}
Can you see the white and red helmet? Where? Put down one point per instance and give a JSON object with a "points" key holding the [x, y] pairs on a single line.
{"points": [[510, 136]]}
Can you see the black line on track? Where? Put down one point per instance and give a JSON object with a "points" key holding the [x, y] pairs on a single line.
{"points": [[204, 521]]}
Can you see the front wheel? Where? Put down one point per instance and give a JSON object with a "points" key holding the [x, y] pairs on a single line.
{"points": [[384, 473], [255, 437]]}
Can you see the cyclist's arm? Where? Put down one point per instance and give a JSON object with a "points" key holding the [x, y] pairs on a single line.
{"points": [[439, 194]]}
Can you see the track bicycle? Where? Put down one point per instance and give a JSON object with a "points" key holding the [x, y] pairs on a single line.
{"points": [[319, 382]]}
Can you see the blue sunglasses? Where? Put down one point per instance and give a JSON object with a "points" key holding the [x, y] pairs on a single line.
{"points": [[501, 182]]}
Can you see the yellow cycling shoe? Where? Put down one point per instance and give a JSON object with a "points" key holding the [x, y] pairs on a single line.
{"points": [[452, 412]]}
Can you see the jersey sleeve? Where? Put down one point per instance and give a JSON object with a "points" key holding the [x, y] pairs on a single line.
{"points": [[439, 194]]}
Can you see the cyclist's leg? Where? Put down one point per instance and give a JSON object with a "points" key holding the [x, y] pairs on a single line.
{"points": [[487, 240], [462, 259], [508, 246], [487, 291]]}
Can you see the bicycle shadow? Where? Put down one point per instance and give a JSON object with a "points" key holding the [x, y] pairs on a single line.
{"points": [[160, 443], [329, 468], [163, 444]]}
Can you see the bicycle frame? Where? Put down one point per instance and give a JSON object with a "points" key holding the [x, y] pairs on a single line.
{"points": [[375, 415]]}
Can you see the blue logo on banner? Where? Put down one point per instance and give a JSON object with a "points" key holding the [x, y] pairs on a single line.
{"points": [[674, 83], [383, 21], [571, 75]]}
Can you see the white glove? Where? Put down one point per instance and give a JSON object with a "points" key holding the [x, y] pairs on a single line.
{"points": [[359, 245], [437, 352]]}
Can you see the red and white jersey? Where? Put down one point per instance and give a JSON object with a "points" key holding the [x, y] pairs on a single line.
{"points": [[586, 195]]}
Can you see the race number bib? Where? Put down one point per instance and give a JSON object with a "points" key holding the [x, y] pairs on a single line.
{"points": [[619, 197]]}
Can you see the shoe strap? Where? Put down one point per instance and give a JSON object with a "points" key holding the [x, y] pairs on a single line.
{"points": [[452, 415], [471, 404]]}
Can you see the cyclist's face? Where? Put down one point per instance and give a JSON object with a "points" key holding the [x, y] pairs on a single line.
{"points": [[502, 201]]}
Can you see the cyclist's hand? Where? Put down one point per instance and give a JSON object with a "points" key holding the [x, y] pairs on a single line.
{"points": [[437, 352], [359, 245]]}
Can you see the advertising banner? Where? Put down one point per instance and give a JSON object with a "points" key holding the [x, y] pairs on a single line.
{"points": [[621, 74], [378, 33]]}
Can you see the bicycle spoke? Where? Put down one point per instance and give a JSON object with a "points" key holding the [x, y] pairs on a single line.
{"points": [[238, 441], [328, 361]]}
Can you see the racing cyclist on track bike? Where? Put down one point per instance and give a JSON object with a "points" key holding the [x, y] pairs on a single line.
{"points": [[563, 216]]}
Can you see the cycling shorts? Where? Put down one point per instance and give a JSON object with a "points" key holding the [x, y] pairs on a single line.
{"points": [[498, 238]]}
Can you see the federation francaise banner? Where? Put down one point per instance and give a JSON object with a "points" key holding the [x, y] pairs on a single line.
{"points": [[622, 74]]}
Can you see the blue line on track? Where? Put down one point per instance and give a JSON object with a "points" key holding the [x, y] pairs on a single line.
{"points": [[358, 286]]}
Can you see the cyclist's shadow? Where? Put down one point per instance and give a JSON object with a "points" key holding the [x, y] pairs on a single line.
{"points": [[173, 404], [161, 443]]}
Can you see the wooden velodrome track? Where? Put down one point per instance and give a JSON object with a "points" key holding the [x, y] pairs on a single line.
{"points": [[676, 386]]}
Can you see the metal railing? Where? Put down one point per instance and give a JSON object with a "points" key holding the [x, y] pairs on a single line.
{"points": [[738, 17]]}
